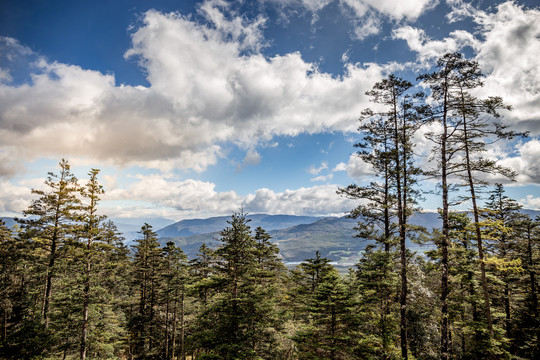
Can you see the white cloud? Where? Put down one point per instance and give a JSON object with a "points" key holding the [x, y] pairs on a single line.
{"points": [[315, 200], [247, 34], [459, 10], [193, 197], [358, 169], [340, 167], [5, 76], [187, 195], [10, 165], [322, 178], [369, 25], [428, 49], [14, 198], [12, 50], [531, 202], [311, 5], [204, 91], [252, 158], [366, 15], [316, 170], [525, 163], [369, 14], [509, 55], [507, 47], [397, 10]]}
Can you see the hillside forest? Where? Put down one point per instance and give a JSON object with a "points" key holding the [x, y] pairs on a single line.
{"points": [[71, 288]]}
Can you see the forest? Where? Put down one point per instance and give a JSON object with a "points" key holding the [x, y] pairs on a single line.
{"points": [[72, 289]]}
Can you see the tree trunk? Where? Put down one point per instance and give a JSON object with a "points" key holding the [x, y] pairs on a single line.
{"points": [[534, 296], [508, 319], [167, 325], [48, 281], [444, 240], [86, 301], [182, 328], [175, 306], [399, 194], [487, 307]]}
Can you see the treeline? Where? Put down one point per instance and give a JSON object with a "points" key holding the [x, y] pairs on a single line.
{"points": [[72, 289]]}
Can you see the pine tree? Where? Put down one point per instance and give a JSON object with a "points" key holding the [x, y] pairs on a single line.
{"points": [[54, 213], [235, 302], [377, 282], [7, 265], [526, 337], [478, 127], [147, 265], [443, 82], [240, 318], [469, 124], [268, 279], [314, 269], [503, 218], [21, 294], [91, 231], [377, 216], [174, 294], [387, 146], [201, 270], [329, 333], [464, 298], [109, 294]]}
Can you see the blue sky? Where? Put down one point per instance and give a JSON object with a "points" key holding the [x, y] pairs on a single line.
{"points": [[196, 108]]}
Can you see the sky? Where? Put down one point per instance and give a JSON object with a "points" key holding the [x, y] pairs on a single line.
{"points": [[193, 109]]}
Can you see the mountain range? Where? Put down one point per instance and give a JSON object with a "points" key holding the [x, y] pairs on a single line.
{"points": [[298, 237]]}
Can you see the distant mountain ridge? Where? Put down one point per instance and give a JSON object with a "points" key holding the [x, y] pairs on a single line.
{"points": [[190, 227], [298, 237]]}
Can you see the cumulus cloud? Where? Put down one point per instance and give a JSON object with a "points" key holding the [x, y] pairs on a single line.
{"points": [[322, 178], [316, 170], [252, 158], [311, 5], [369, 25], [405, 9], [247, 34], [340, 167], [192, 197], [369, 14], [507, 47], [531, 202], [205, 90], [316, 200], [5, 75], [397, 10], [429, 49], [509, 56], [14, 198], [525, 162], [187, 195], [356, 168], [9, 165]]}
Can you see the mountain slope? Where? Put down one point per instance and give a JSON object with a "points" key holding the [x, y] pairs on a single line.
{"points": [[191, 227], [333, 237]]}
